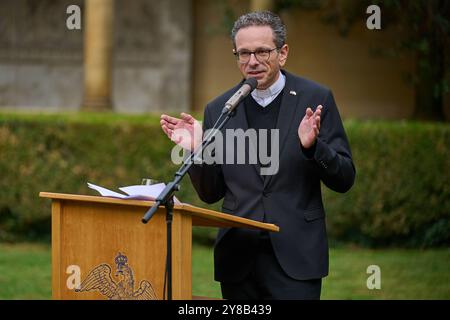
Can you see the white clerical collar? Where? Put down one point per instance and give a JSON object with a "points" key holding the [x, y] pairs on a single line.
{"points": [[266, 96]]}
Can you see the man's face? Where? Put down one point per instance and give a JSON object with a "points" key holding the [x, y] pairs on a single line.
{"points": [[260, 38]]}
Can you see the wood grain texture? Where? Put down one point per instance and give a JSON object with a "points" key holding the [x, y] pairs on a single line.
{"points": [[200, 216], [56, 249], [90, 232]]}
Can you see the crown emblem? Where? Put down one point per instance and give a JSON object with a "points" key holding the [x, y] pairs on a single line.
{"points": [[121, 260], [101, 278]]}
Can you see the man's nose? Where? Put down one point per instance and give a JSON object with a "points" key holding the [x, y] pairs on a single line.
{"points": [[253, 61]]}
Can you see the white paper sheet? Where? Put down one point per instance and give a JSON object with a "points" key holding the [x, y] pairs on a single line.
{"points": [[152, 190], [139, 192], [106, 192]]}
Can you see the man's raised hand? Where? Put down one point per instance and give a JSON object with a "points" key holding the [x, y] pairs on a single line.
{"points": [[185, 132], [309, 127]]}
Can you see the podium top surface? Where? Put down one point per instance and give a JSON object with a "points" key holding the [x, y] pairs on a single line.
{"points": [[200, 216]]}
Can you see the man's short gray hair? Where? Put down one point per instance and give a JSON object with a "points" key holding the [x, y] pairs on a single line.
{"points": [[261, 18]]}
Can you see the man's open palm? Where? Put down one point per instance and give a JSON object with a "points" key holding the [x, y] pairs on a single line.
{"points": [[309, 127], [185, 132]]}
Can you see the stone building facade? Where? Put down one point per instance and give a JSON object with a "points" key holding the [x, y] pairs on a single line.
{"points": [[41, 60], [176, 55]]}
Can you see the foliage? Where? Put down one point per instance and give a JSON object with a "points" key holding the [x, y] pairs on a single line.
{"points": [[401, 195], [61, 153], [422, 28]]}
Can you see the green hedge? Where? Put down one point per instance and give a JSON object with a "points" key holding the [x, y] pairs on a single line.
{"points": [[401, 195]]}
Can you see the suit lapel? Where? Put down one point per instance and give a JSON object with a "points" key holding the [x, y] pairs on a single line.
{"points": [[286, 116]]}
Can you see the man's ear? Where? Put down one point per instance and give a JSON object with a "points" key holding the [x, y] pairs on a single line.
{"points": [[283, 54]]}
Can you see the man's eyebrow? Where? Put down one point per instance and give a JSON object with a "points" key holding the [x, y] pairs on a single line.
{"points": [[259, 48]]}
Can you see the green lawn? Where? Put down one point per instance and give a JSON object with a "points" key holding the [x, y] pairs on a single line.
{"points": [[25, 273]]}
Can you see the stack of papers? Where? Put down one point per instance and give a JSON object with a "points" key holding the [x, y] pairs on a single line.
{"points": [[139, 192]]}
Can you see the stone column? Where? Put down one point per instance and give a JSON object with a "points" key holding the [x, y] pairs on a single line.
{"points": [[98, 45], [260, 5]]}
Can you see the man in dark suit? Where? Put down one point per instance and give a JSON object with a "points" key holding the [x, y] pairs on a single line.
{"points": [[312, 147]]}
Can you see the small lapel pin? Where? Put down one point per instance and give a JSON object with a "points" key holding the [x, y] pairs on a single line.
{"points": [[293, 92]]}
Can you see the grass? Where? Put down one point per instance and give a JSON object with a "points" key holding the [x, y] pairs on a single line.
{"points": [[25, 273], [405, 274]]}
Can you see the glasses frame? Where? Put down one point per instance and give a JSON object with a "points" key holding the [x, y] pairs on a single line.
{"points": [[237, 54]]}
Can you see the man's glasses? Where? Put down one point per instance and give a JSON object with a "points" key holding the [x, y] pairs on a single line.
{"points": [[262, 55]]}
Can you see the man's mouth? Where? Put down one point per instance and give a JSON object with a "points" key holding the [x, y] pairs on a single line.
{"points": [[255, 73]]}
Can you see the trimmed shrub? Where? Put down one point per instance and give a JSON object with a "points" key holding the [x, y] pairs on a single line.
{"points": [[401, 196]]}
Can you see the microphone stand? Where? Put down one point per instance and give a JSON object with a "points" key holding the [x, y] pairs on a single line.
{"points": [[165, 198]]}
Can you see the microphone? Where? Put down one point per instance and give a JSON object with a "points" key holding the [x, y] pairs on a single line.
{"points": [[150, 212], [248, 86]]}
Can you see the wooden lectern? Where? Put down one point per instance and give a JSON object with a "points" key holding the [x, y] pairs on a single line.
{"points": [[102, 250]]}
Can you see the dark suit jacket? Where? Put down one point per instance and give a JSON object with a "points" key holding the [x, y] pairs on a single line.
{"points": [[291, 198]]}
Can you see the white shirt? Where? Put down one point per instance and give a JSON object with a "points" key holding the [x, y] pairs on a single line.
{"points": [[266, 96]]}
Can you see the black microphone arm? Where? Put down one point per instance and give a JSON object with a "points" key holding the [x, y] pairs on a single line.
{"points": [[248, 86]]}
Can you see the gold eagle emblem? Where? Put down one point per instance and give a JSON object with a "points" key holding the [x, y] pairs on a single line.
{"points": [[100, 278]]}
